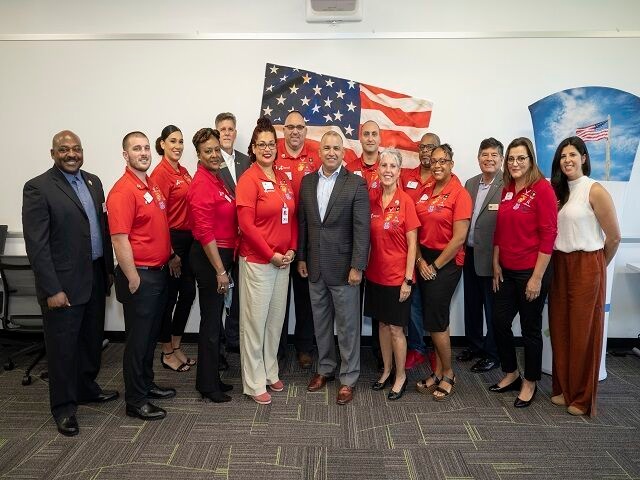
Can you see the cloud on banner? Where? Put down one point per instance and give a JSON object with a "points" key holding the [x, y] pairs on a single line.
{"points": [[570, 112], [332, 103]]}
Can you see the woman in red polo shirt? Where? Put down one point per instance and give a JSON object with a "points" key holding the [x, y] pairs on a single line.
{"points": [[389, 273], [269, 231], [444, 210], [212, 213], [174, 180], [523, 242]]}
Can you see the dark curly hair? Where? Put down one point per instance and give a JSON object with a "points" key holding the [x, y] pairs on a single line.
{"points": [[203, 135], [263, 125]]}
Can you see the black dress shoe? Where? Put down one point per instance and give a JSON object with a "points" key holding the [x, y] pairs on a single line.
{"points": [[68, 426], [215, 397], [225, 387], [148, 411], [398, 395], [161, 393], [525, 403], [222, 364], [467, 355], [515, 385], [484, 365], [103, 397]]}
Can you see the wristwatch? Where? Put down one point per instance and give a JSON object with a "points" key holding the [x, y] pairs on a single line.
{"points": [[409, 281]]}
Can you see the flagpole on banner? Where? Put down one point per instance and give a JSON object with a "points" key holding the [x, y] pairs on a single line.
{"points": [[607, 151]]}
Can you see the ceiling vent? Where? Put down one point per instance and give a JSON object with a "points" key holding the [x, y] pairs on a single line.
{"points": [[334, 11]]}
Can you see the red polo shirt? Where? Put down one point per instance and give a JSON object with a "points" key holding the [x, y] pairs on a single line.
{"points": [[295, 168], [174, 186], [212, 210], [389, 226], [411, 181], [368, 172], [139, 211], [527, 223], [437, 213], [260, 215]]}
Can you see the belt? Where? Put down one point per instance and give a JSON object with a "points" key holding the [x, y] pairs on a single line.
{"points": [[141, 267]]}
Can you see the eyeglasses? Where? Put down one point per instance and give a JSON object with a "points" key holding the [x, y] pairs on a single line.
{"points": [[519, 160], [426, 147], [264, 145], [291, 128], [439, 161]]}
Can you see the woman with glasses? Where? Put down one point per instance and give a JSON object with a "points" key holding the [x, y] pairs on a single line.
{"points": [[390, 269], [267, 218], [588, 238], [174, 180], [444, 210], [523, 242], [212, 214]]}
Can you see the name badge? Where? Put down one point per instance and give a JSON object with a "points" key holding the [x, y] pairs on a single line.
{"points": [[508, 196], [285, 214], [267, 186], [493, 206], [289, 176], [424, 197], [148, 198], [358, 172], [412, 184]]}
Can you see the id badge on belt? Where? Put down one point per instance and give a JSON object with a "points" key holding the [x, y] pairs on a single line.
{"points": [[285, 214]]}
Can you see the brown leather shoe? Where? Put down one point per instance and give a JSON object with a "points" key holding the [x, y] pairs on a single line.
{"points": [[345, 395], [318, 382], [304, 360]]}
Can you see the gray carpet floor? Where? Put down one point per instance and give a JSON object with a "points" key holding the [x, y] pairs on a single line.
{"points": [[476, 434]]}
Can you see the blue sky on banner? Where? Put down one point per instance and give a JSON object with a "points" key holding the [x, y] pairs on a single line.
{"points": [[557, 117]]}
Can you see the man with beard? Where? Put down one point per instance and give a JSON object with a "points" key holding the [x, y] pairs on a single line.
{"points": [[140, 236]]}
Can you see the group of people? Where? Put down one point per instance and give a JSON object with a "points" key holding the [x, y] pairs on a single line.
{"points": [[245, 228]]}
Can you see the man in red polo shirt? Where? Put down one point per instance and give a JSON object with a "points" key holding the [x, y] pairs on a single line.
{"points": [[366, 166], [140, 236], [296, 159]]}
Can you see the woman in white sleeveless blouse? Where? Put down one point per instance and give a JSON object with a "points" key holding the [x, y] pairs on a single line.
{"points": [[588, 238]]}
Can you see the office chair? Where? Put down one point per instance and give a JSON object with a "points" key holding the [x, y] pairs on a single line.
{"points": [[21, 312]]}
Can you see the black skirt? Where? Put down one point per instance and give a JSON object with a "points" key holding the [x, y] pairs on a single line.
{"points": [[383, 304]]}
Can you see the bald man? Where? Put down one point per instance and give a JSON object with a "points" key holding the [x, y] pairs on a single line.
{"points": [[68, 244]]}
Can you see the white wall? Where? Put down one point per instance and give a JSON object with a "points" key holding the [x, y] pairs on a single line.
{"points": [[101, 88]]}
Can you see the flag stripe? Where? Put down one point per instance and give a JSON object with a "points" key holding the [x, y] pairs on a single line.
{"points": [[383, 91], [385, 123], [406, 104]]}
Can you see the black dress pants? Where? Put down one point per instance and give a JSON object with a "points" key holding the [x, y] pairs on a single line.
{"points": [[510, 300], [142, 317], [73, 337], [211, 307]]}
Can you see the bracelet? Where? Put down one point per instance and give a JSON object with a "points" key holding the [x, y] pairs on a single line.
{"points": [[418, 260], [221, 274], [435, 267]]}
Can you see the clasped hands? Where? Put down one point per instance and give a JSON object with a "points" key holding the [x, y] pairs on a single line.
{"points": [[281, 261]]}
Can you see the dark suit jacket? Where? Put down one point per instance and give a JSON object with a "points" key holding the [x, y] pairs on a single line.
{"points": [[485, 224], [58, 238], [242, 162], [331, 247]]}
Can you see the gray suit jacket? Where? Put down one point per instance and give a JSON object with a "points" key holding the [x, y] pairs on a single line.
{"points": [[242, 163], [485, 224], [333, 246]]}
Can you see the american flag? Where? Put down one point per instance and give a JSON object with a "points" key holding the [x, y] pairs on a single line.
{"points": [[595, 132], [332, 103]]}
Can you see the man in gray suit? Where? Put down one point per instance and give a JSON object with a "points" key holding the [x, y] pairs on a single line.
{"points": [[485, 190], [236, 163], [333, 249]]}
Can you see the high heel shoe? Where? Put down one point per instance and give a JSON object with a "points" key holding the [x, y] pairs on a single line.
{"points": [[525, 403], [513, 386], [398, 395], [382, 385], [183, 367], [215, 397]]}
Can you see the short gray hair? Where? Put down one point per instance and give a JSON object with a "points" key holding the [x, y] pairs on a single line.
{"points": [[394, 152]]}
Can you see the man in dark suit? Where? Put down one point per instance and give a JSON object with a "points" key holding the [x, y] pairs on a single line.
{"points": [[485, 190], [333, 248], [235, 164], [68, 244]]}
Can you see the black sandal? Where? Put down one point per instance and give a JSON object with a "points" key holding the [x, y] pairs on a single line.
{"points": [[439, 389], [190, 361], [182, 368], [422, 386]]}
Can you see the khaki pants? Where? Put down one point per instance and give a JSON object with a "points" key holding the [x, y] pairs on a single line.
{"points": [[263, 298]]}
